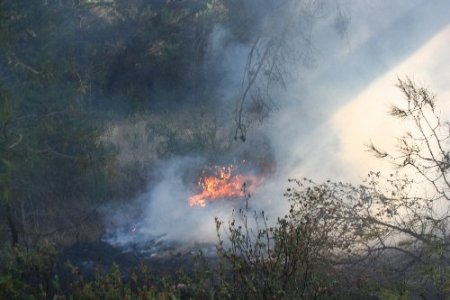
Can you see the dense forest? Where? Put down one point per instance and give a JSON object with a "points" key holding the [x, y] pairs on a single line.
{"points": [[96, 94]]}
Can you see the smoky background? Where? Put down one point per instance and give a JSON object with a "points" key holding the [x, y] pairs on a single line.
{"points": [[277, 82]]}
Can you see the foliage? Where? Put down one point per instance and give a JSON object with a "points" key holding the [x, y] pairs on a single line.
{"points": [[112, 285], [293, 258], [27, 273], [83, 81], [409, 214], [70, 69], [73, 70], [385, 237]]}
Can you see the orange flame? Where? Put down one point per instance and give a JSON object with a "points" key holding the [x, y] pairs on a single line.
{"points": [[223, 185]]}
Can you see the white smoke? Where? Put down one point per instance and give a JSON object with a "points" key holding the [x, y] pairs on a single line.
{"points": [[166, 215], [380, 35]]}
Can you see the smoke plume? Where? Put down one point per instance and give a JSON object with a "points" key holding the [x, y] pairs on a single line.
{"points": [[327, 62]]}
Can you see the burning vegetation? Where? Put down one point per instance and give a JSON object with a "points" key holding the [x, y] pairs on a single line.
{"points": [[223, 182]]}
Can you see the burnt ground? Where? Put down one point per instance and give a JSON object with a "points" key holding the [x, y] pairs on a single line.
{"points": [[163, 260]]}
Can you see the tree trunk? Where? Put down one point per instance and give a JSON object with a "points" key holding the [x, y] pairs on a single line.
{"points": [[12, 226]]}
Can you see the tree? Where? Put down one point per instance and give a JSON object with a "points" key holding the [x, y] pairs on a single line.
{"points": [[410, 214], [387, 236], [297, 257], [50, 151], [280, 41]]}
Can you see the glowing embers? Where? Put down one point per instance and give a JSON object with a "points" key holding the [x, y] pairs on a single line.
{"points": [[220, 182]]}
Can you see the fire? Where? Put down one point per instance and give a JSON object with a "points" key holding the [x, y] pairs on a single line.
{"points": [[223, 184]]}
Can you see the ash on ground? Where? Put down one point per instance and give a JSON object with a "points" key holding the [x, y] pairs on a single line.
{"points": [[134, 240]]}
